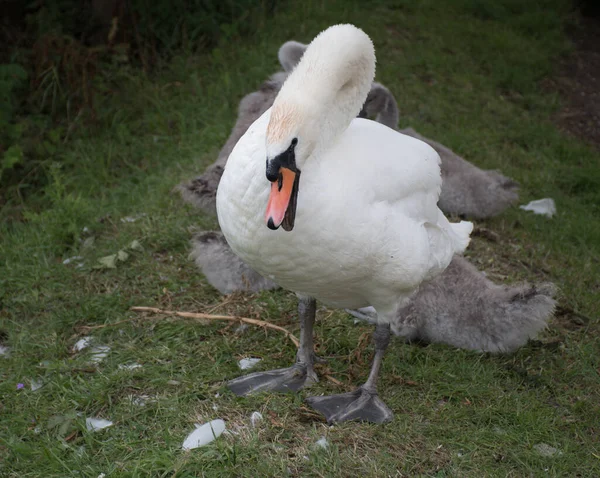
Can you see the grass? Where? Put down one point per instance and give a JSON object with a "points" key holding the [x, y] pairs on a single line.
{"points": [[466, 73]]}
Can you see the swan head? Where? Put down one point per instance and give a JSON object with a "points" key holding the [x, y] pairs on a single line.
{"points": [[317, 102], [291, 139]]}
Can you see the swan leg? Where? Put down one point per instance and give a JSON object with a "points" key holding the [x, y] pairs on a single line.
{"points": [[291, 379], [363, 403]]}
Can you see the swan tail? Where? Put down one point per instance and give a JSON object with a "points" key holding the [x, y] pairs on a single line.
{"points": [[461, 235]]}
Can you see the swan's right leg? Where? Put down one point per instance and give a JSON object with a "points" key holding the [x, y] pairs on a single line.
{"points": [[363, 403], [291, 379]]}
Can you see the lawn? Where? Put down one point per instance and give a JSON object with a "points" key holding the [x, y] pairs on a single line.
{"points": [[467, 73]]}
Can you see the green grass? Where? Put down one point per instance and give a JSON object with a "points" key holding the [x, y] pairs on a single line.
{"points": [[466, 73]]}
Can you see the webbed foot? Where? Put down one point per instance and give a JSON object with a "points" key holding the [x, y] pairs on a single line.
{"points": [[289, 379], [360, 404]]}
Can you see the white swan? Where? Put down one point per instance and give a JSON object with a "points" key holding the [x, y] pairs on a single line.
{"points": [[356, 202]]}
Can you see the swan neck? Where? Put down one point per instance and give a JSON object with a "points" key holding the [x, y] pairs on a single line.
{"points": [[331, 82]]}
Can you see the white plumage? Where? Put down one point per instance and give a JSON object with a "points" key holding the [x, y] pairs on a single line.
{"points": [[367, 230]]}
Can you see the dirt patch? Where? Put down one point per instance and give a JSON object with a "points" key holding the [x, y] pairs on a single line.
{"points": [[579, 83]]}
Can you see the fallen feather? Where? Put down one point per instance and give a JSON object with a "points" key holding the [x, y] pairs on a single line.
{"points": [[133, 218], [240, 329], [129, 366], [247, 363], [95, 424], [141, 400], [204, 434], [255, 418], [4, 351], [82, 343], [545, 207], [99, 353], [71, 259], [323, 443], [546, 450], [36, 384]]}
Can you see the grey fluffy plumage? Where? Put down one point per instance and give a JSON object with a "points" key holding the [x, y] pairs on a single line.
{"points": [[202, 190], [464, 309], [466, 189], [225, 271]]}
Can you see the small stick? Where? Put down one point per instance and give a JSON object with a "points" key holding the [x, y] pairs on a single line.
{"points": [[196, 315], [334, 380]]}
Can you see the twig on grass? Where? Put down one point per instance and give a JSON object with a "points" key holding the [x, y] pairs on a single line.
{"points": [[197, 315]]}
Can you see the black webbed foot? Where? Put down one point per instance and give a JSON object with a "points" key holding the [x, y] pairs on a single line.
{"points": [[289, 379], [360, 404]]}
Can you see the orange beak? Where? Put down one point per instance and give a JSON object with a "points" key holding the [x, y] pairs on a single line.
{"points": [[281, 208]]}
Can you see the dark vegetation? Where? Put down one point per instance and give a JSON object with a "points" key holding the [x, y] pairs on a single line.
{"points": [[60, 60]]}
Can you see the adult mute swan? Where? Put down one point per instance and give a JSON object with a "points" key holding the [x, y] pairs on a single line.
{"points": [[344, 210]]}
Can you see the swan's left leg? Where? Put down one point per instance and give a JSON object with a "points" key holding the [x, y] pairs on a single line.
{"points": [[293, 378], [362, 403]]}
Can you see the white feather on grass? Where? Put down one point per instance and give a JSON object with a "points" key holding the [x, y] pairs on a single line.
{"points": [[204, 434], [545, 207], [99, 353], [255, 418], [247, 363], [95, 424], [82, 343], [323, 443]]}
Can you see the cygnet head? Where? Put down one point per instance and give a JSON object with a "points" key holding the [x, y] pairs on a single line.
{"points": [[290, 53], [315, 105]]}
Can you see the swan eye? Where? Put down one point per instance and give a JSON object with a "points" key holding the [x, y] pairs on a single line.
{"points": [[294, 141]]}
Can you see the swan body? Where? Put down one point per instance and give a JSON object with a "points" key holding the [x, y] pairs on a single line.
{"points": [[367, 237], [344, 210], [367, 227]]}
